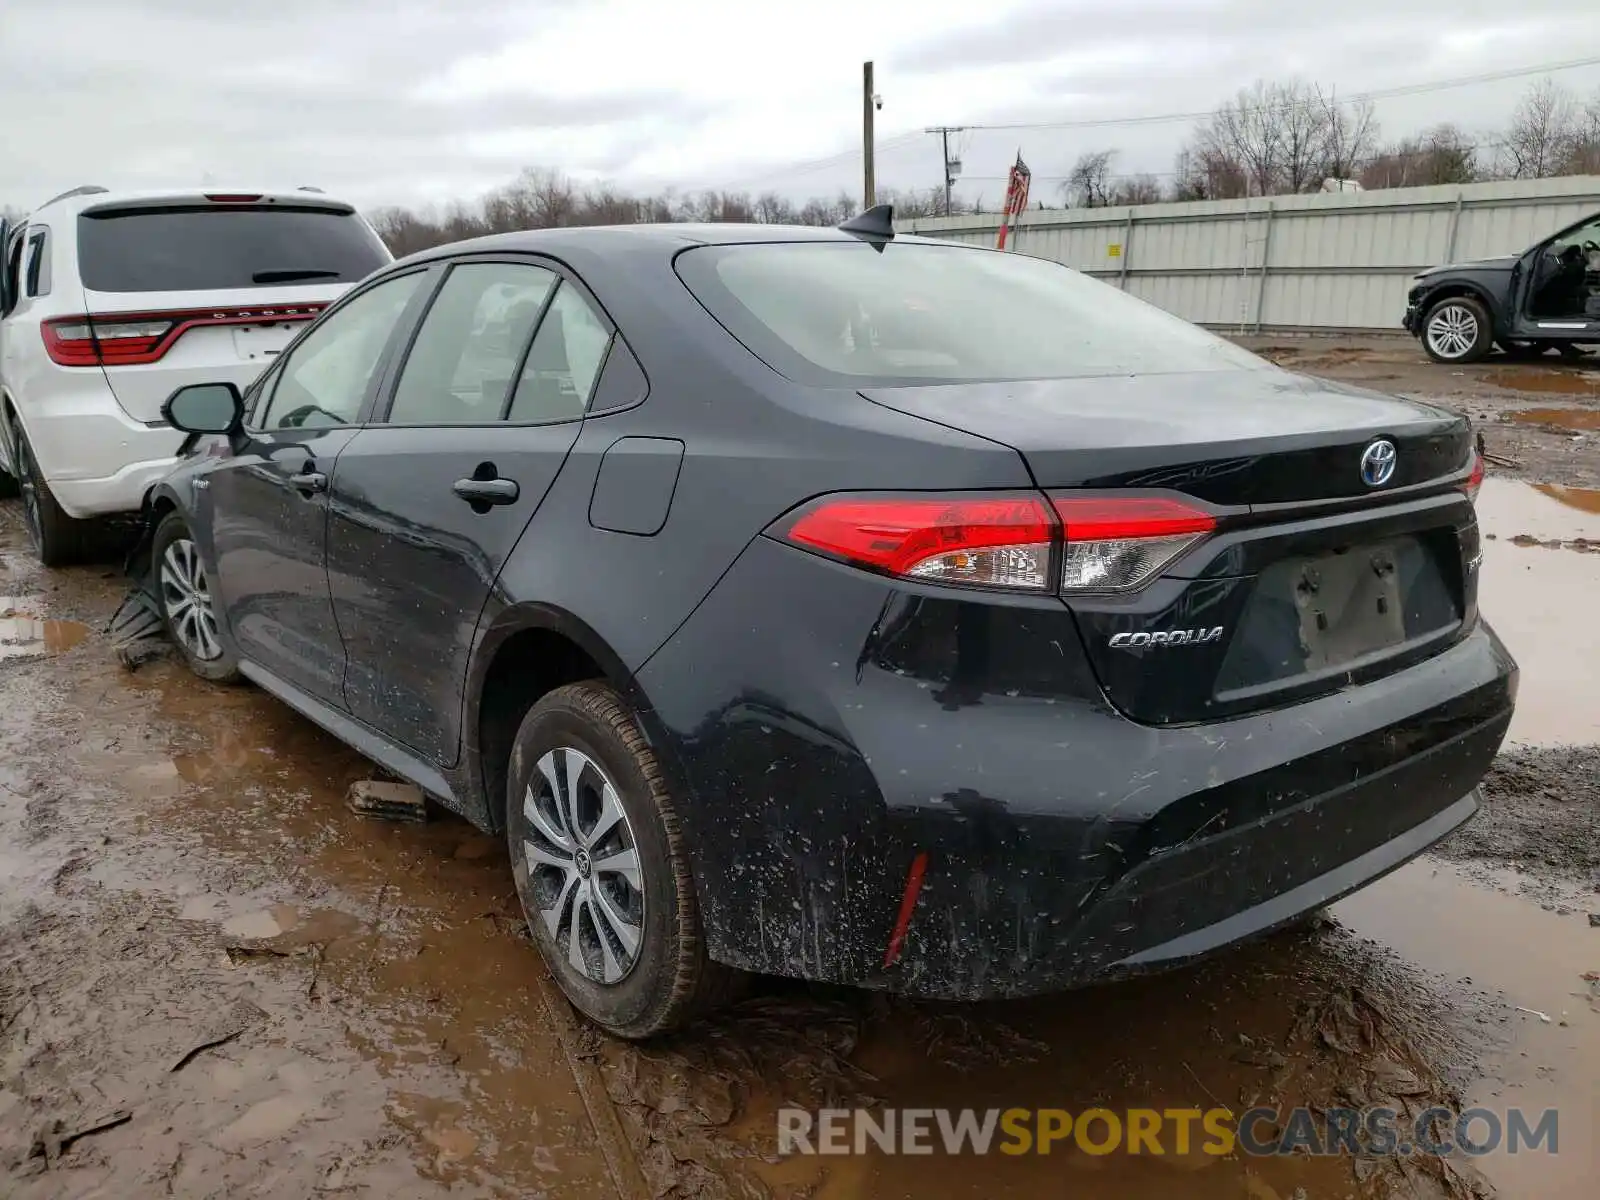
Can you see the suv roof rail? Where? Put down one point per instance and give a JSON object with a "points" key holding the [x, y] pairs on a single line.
{"points": [[87, 189], [306, 187]]}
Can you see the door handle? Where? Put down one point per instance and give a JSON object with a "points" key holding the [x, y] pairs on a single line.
{"points": [[309, 481], [487, 491]]}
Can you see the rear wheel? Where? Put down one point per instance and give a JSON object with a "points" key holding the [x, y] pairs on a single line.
{"points": [[1457, 330], [187, 607], [601, 868], [58, 539]]}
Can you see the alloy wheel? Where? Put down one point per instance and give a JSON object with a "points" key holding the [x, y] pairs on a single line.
{"points": [[583, 866], [186, 599], [1452, 330]]}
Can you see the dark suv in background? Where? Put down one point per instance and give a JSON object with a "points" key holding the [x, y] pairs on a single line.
{"points": [[1545, 298]]}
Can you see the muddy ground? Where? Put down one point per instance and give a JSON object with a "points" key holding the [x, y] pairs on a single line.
{"points": [[217, 981]]}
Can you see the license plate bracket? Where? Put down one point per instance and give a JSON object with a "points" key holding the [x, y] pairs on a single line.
{"points": [[1350, 605], [254, 342]]}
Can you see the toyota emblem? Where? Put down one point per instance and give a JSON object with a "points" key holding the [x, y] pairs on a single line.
{"points": [[1378, 462]]}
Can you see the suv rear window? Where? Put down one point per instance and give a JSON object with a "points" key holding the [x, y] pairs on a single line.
{"points": [[850, 314], [211, 248]]}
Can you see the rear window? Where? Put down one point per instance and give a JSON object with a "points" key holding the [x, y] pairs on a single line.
{"points": [[850, 313], [210, 248]]}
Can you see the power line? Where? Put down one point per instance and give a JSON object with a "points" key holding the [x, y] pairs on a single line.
{"points": [[1411, 89], [903, 140]]}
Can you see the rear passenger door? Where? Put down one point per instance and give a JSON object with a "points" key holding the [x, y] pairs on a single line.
{"points": [[429, 499]]}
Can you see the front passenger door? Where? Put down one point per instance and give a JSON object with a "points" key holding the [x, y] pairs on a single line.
{"points": [[428, 502], [269, 501]]}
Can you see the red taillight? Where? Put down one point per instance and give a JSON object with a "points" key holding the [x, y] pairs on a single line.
{"points": [[1104, 543], [999, 541], [136, 339], [1474, 478], [1120, 543], [232, 197]]}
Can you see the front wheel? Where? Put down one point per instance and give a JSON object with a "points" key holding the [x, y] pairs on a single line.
{"points": [[1457, 330], [598, 852], [187, 606]]}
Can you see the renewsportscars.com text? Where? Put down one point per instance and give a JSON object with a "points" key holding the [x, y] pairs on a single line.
{"points": [[1159, 1131]]}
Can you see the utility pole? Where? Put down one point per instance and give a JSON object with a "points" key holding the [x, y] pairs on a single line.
{"points": [[868, 103], [951, 166]]}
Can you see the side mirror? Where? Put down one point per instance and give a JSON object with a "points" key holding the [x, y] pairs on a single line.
{"points": [[205, 408]]}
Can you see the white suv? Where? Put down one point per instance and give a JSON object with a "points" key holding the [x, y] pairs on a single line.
{"points": [[109, 302]]}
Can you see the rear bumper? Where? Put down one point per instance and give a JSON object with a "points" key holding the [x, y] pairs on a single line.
{"points": [[96, 459], [1064, 843]]}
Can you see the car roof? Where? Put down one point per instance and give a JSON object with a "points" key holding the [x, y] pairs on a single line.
{"points": [[80, 199], [665, 237]]}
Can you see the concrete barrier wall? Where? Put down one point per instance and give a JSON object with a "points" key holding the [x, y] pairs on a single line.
{"points": [[1328, 262]]}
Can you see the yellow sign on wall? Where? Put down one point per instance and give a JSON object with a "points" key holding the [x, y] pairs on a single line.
{"points": [[1114, 250]]}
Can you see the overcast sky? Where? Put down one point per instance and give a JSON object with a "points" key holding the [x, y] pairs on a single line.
{"points": [[413, 101]]}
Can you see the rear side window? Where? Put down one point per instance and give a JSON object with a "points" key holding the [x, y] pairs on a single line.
{"points": [[38, 270], [563, 362], [850, 313], [215, 247]]}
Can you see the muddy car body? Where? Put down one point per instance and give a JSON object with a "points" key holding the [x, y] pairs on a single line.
{"points": [[848, 584], [1547, 297]]}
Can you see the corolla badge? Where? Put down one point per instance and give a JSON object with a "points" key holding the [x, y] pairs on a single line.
{"points": [[1378, 463], [1167, 637]]}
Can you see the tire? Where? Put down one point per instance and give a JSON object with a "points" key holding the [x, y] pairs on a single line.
{"points": [[57, 538], [183, 589], [625, 944], [1456, 330]]}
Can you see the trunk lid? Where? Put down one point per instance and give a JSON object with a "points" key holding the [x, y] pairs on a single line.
{"points": [[1313, 580], [1256, 437]]}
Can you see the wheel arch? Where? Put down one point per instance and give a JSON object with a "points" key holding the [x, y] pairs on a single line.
{"points": [[1457, 288], [525, 652]]}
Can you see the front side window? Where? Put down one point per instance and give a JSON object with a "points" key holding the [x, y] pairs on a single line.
{"points": [[850, 313], [466, 353], [325, 378]]}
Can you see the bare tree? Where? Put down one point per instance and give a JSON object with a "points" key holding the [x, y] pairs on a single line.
{"points": [[1441, 155], [1088, 184], [1583, 151], [1541, 133], [1350, 135], [1246, 130], [1302, 119], [1203, 171], [1137, 189]]}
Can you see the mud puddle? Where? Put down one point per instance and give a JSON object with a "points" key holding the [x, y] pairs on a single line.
{"points": [[1547, 379], [1542, 1018], [1533, 589], [1573, 420], [23, 635]]}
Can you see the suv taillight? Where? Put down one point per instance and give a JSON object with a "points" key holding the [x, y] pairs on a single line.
{"points": [[1079, 545], [87, 342], [136, 339]]}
